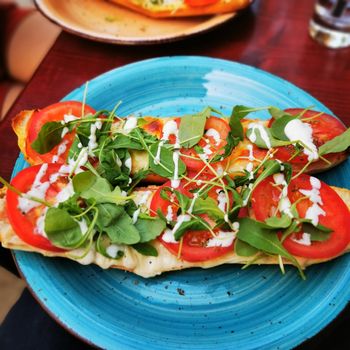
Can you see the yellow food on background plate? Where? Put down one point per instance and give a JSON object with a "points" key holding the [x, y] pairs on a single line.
{"points": [[183, 8]]}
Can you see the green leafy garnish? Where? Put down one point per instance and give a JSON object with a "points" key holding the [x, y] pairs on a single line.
{"points": [[338, 144], [192, 128], [61, 229], [50, 135], [146, 249]]}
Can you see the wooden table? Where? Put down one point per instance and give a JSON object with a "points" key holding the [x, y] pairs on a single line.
{"points": [[272, 35]]}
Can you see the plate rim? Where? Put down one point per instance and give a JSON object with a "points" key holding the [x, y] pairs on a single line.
{"points": [[133, 41], [166, 58]]}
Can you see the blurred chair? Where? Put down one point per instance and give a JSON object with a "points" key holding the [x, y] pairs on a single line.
{"points": [[25, 38]]}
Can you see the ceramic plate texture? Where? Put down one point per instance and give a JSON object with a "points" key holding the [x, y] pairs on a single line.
{"points": [[107, 22], [219, 308]]}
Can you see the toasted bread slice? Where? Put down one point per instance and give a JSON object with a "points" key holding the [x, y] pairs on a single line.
{"points": [[236, 163], [146, 266]]}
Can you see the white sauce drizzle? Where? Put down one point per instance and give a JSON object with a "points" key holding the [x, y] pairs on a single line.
{"points": [[258, 127], [92, 137], [313, 213], [68, 118], [169, 235], [61, 149], [215, 135], [37, 190], [140, 201], [284, 204], [251, 154], [296, 130], [222, 239], [304, 240], [113, 250], [128, 163], [190, 209], [65, 130], [222, 201], [130, 124], [249, 168], [169, 214]]}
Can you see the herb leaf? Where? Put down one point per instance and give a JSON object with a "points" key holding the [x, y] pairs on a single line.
{"points": [[277, 128], [61, 229], [145, 249], [192, 128], [149, 228], [166, 167], [49, 136], [122, 230], [257, 235], [338, 144], [92, 187], [244, 249], [208, 206]]}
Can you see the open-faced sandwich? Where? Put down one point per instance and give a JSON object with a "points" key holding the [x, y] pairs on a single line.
{"points": [[183, 8], [150, 195]]}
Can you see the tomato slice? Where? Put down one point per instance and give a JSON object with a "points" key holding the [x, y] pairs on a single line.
{"points": [[24, 224], [215, 135], [324, 128], [194, 246], [265, 200], [54, 112], [200, 3]]}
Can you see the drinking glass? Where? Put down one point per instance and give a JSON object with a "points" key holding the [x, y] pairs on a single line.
{"points": [[330, 23]]}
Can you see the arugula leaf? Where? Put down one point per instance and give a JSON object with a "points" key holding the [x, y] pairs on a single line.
{"points": [[71, 205], [279, 222], [89, 186], [257, 235], [277, 113], [241, 111], [270, 167], [49, 136], [235, 123], [277, 128], [61, 229], [244, 249], [128, 141], [108, 213], [260, 142], [122, 230], [149, 228], [316, 233], [192, 126], [166, 167], [145, 249], [338, 144], [236, 133], [208, 206], [192, 225]]}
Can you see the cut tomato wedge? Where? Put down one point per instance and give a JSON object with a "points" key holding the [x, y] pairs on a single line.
{"points": [[324, 128], [25, 224], [214, 140], [265, 200], [194, 246], [55, 112]]}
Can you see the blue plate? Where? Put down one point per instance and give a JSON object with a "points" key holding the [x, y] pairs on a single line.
{"points": [[220, 308]]}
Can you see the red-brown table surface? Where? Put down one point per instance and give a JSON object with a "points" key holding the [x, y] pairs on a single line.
{"points": [[272, 35]]}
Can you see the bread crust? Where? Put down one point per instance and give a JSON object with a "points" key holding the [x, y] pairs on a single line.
{"points": [[185, 10]]}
